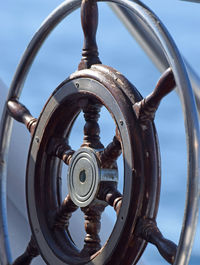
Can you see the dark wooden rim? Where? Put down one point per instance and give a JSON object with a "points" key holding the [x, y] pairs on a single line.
{"points": [[137, 184]]}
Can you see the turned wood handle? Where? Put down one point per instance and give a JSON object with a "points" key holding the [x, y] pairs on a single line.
{"points": [[164, 86], [20, 113], [148, 230], [166, 247], [89, 21], [30, 253], [145, 109]]}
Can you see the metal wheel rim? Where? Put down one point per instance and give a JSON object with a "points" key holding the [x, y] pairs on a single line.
{"points": [[187, 101]]}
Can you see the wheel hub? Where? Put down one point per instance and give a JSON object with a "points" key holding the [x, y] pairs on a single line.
{"points": [[85, 175]]}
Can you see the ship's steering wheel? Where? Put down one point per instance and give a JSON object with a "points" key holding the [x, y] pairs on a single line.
{"points": [[92, 169]]}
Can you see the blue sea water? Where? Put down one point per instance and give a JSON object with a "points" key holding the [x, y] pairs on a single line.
{"points": [[60, 56]]}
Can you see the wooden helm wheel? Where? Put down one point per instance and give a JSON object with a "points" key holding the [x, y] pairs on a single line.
{"points": [[87, 91], [92, 173]]}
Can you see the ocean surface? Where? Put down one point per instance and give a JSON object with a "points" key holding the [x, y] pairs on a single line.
{"points": [[59, 57]]}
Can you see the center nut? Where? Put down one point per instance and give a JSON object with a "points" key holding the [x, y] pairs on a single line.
{"points": [[85, 175]]}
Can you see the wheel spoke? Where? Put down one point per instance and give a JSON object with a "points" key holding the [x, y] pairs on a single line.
{"points": [[112, 196], [89, 21], [91, 111], [64, 213], [92, 227], [110, 154], [20, 113], [30, 253], [146, 108], [60, 148], [148, 230]]}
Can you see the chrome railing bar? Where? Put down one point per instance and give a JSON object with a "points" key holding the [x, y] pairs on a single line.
{"points": [[194, 1], [150, 45]]}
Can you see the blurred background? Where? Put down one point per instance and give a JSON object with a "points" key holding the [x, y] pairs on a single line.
{"points": [[59, 57]]}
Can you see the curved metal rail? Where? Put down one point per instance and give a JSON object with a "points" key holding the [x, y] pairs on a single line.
{"points": [[146, 39], [185, 92]]}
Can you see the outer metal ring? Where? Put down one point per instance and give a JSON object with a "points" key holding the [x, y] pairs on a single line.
{"points": [[187, 100]]}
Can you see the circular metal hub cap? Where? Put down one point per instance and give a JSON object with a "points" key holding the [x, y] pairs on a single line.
{"points": [[84, 176]]}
